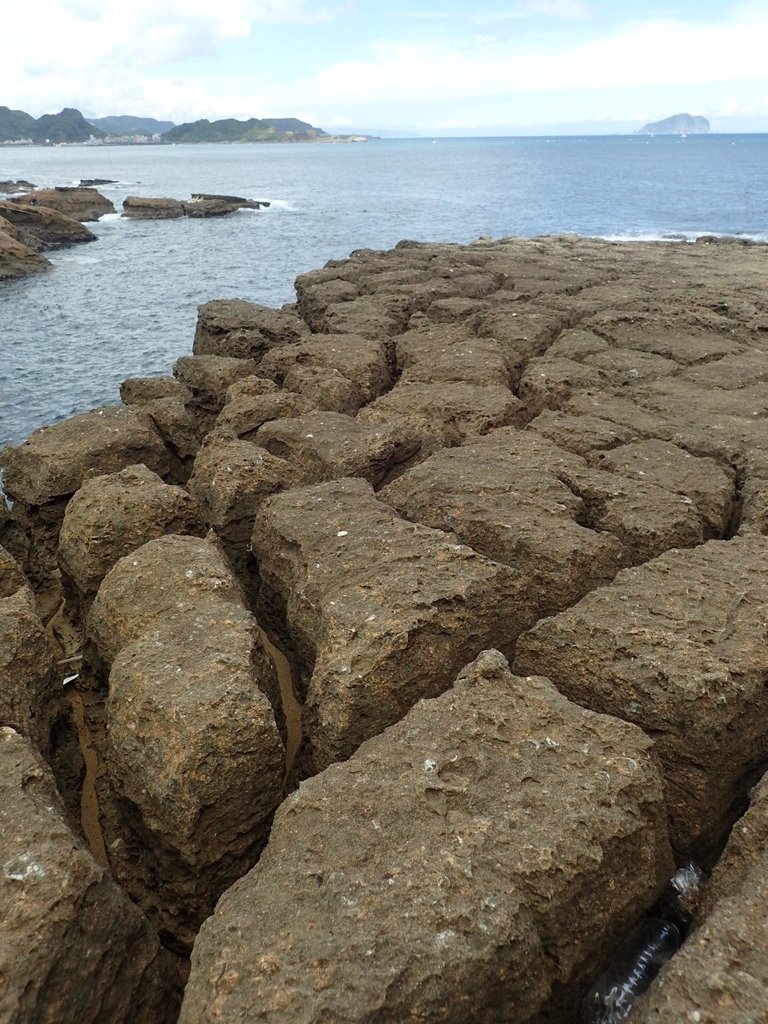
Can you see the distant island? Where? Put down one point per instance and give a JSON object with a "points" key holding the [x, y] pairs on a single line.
{"points": [[678, 124], [70, 127]]}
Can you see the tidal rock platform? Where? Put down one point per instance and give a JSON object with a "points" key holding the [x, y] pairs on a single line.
{"points": [[385, 660]]}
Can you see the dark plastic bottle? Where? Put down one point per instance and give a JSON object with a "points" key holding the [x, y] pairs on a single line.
{"points": [[637, 963]]}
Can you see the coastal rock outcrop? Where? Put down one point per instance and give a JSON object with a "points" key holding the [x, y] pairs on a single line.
{"points": [[555, 447], [200, 205], [244, 330], [110, 516], [453, 859], [43, 226], [71, 201], [16, 258]]}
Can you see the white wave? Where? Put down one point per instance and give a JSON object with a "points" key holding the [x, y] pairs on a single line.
{"points": [[681, 236], [280, 204]]}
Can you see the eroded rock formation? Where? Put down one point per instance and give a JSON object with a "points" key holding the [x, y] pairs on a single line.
{"points": [[555, 448]]}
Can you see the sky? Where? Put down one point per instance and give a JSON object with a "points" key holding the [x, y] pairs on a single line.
{"points": [[424, 67]]}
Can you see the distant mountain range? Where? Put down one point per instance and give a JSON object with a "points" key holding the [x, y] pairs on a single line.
{"points": [[124, 124], [69, 126], [678, 124]]}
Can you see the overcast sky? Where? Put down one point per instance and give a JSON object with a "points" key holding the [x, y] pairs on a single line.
{"points": [[445, 67]]}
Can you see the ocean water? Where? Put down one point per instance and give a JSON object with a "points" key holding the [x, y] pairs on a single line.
{"points": [[126, 304]]}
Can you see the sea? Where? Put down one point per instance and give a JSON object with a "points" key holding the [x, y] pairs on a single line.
{"points": [[126, 305]]}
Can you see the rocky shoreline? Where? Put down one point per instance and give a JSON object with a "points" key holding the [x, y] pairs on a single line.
{"points": [[41, 219], [504, 510]]}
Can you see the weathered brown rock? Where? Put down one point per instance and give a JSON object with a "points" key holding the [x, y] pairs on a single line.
{"points": [[75, 202], [16, 258], [42, 474], [446, 871], [44, 225], [430, 355], [243, 414], [381, 612], [329, 445], [109, 517], [231, 480], [326, 387], [11, 575], [72, 945], [178, 427], [703, 481], [145, 208], [676, 646], [244, 330], [208, 378], [31, 697], [503, 502], [581, 434], [142, 390], [444, 415], [361, 360], [721, 973], [163, 576], [193, 760], [56, 460]]}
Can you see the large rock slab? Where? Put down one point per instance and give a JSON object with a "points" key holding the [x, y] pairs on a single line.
{"points": [[231, 480], [380, 611], [72, 945], [193, 760], [244, 330], [703, 481], [678, 647], [16, 257], [80, 203], [42, 226], [430, 354], [721, 973], [512, 507], [207, 379], [112, 515], [251, 406], [445, 414], [162, 577], [330, 445], [31, 697], [360, 360], [446, 870]]}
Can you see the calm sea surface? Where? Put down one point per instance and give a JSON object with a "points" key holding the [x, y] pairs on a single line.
{"points": [[126, 304]]}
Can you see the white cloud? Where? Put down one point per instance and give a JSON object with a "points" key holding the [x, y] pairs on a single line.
{"points": [[108, 58]]}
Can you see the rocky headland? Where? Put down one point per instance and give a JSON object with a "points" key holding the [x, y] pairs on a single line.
{"points": [[385, 661]]}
